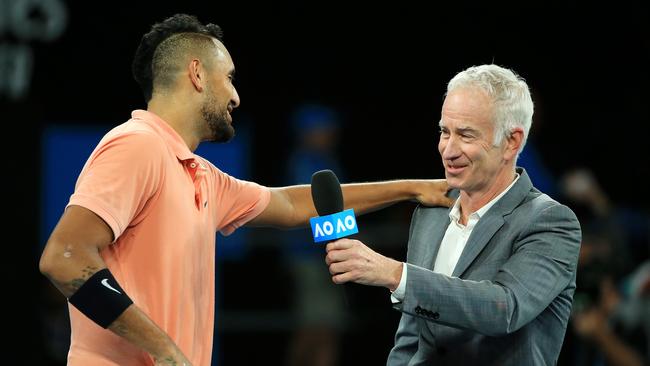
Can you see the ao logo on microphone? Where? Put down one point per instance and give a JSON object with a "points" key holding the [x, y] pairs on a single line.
{"points": [[334, 226]]}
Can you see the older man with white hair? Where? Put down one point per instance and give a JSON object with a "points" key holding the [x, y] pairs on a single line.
{"points": [[489, 281]]}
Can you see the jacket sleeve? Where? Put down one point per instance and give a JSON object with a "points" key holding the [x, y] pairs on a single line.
{"points": [[542, 264], [406, 341]]}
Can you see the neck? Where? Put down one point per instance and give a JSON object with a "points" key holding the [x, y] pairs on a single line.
{"points": [[471, 202], [177, 114]]}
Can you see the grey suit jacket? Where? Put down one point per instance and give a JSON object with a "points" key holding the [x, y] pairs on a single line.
{"points": [[509, 299]]}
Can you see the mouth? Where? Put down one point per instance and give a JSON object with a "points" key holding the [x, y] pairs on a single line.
{"points": [[229, 110], [455, 169]]}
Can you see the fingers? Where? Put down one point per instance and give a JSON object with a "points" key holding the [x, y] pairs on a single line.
{"points": [[343, 278], [447, 201], [442, 185], [340, 244], [340, 271], [434, 193], [444, 189], [335, 256], [343, 249], [345, 260], [342, 267]]}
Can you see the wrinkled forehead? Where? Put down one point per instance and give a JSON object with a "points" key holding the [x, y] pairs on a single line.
{"points": [[467, 106], [471, 97]]}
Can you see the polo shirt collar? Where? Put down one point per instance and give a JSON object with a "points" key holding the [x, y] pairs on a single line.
{"points": [[171, 137]]}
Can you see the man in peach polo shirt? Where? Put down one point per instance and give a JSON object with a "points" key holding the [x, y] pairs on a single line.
{"points": [[134, 250]]}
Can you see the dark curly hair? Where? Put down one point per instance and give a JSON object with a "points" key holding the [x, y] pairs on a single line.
{"points": [[160, 48]]}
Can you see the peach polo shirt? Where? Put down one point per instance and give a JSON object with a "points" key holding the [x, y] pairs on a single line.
{"points": [[164, 205]]}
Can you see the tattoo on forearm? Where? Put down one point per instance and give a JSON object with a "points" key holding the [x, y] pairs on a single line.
{"points": [[74, 284], [170, 361], [119, 328]]}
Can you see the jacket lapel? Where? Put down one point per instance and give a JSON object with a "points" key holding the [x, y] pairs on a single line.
{"points": [[431, 251], [489, 224], [481, 235], [437, 233]]}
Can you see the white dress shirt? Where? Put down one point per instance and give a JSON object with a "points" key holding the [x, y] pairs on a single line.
{"points": [[453, 242]]}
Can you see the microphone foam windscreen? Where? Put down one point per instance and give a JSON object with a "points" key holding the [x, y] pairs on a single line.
{"points": [[326, 192]]}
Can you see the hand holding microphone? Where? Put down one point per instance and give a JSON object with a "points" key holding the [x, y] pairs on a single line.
{"points": [[348, 260], [352, 261]]}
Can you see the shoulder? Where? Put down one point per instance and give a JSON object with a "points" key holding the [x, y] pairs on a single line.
{"points": [[425, 213], [132, 147], [541, 214], [426, 221], [134, 133], [212, 170], [538, 204]]}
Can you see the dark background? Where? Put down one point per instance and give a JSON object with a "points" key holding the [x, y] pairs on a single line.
{"points": [[384, 67]]}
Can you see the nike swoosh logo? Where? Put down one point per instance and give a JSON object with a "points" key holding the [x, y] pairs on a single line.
{"points": [[105, 283]]}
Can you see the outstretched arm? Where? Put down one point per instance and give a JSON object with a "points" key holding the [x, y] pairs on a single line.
{"points": [[71, 257], [292, 206]]}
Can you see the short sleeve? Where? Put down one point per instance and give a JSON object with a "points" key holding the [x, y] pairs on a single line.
{"points": [[239, 201], [121, 176]]}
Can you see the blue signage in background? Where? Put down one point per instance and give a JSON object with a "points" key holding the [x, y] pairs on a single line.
{"points": [[65, 149], [334, 226]]}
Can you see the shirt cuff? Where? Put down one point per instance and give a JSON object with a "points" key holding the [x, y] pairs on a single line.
{"points": [[398, 295]]}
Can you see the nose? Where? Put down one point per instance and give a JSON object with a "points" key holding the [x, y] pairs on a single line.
{"points": [[234, 101], [449, 148]]}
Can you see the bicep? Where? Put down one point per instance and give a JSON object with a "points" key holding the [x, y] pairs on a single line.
{"points": [[279, 211], [75, 243], [81, 226]]}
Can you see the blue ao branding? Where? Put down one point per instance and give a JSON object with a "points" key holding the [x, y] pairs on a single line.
{"points": [[334, 226]]}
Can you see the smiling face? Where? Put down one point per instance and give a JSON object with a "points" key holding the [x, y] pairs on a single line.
{"points": [[221, 97], [472, 163]]}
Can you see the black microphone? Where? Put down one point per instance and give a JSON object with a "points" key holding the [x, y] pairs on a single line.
{"points": [[326, 193], [333, 223]]}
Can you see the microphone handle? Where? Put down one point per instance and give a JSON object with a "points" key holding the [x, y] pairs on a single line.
{"points": [[347, 287]]}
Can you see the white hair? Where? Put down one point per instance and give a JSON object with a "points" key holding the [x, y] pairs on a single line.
{"points": [[513, 105]]}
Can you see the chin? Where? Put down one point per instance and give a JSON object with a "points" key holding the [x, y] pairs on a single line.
{"points": [[453, 182]]}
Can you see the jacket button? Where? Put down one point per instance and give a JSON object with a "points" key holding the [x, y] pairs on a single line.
{"points": [[418, 310], [435, 315]]}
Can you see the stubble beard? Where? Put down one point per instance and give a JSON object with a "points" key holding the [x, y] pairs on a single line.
{"points": [[218, 122]]}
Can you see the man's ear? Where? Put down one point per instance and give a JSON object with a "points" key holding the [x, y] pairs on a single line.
{"points": [[195, 70], [513, 142]]}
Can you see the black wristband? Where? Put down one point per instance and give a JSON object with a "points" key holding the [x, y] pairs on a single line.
{"points": [[101, 298]]}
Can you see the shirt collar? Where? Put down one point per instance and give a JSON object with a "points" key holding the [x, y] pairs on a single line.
{"points": [[171, 137], [454, 213]]}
